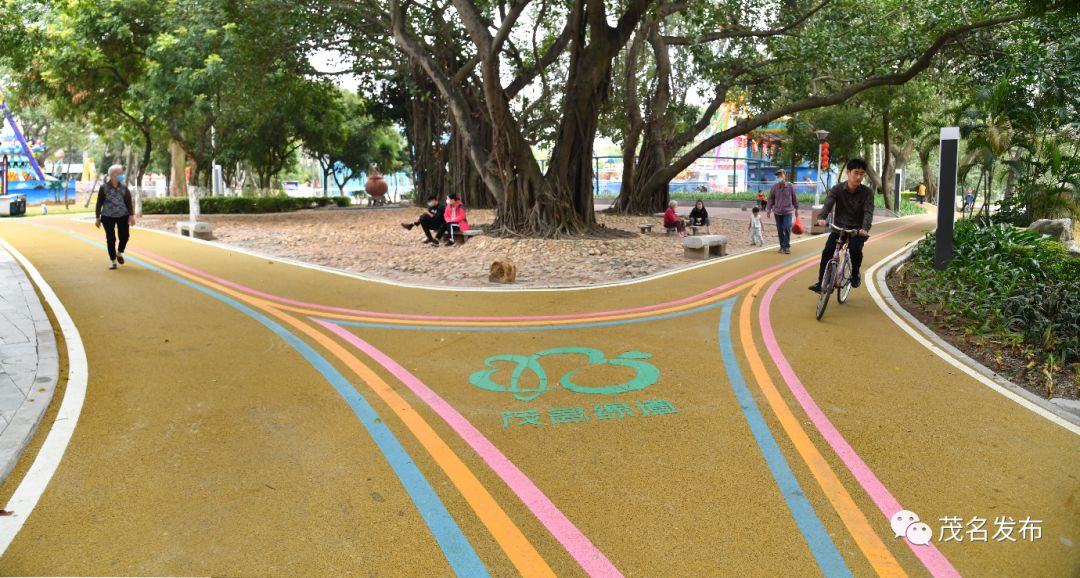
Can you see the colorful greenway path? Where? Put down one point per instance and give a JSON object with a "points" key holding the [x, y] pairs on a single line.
{"points": [[244, 416]]}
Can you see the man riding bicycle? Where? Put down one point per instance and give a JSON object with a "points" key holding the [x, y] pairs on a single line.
{"points": [[854, 209]]}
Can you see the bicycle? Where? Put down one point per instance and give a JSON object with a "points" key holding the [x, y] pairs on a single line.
{"points": [[837, 272]]}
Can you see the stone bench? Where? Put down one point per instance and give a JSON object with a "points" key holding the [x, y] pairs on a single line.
{"points": [[460, 237], [702, 247], [645, 227], [198, 229]]}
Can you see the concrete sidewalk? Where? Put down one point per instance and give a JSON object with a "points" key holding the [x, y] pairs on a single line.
{"points": [[29, 362]]}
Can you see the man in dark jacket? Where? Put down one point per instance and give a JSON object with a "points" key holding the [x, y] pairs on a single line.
{"points": [[431, 220], [854, 209]]}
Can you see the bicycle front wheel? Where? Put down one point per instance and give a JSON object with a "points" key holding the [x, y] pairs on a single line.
{"points": [[827, 282], [845, 282]]}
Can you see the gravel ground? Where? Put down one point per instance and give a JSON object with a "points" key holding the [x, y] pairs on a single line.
{"points": [[372, 242]]}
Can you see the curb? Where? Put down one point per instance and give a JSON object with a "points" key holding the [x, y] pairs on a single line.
{"points": [[954, 356], [20, 430], [500, 288], [37, 478]]}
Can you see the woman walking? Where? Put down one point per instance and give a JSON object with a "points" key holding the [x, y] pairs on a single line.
{"points": [[114, 211]]}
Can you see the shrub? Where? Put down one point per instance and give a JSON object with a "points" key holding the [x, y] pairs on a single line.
{"points": [[239, 205], [1013, 283]]}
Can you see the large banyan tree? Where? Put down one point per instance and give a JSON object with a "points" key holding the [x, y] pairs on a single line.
{"points": [[510, 76]]}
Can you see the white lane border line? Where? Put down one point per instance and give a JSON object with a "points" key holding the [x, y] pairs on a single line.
{"points": [[493, 289], [950, 354], [33, 485]]}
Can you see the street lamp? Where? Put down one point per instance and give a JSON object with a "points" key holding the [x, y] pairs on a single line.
{"points": [[821, 135]]}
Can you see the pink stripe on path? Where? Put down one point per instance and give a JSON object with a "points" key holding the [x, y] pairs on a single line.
{"points": [[591, 559], [348, 311], [929, 555]]}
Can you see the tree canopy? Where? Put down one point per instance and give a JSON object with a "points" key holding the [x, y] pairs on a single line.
{"points": [[476, 87]]}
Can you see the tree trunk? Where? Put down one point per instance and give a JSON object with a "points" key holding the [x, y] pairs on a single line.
{"points": [[925, 149], [635, 197], [571, 169], [145, 160], [901, 155], [886, 165], [463, 178], [871, 170], [1010, 177], [929, 181], [426, 123], [178, 162]]}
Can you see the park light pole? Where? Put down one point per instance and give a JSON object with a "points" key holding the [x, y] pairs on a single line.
{"points": [[821, 134]]}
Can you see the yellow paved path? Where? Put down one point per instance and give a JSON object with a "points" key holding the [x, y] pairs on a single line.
{"points": [[250, 417]]}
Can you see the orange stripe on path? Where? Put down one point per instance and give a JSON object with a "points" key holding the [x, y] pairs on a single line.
{"points": [[867, 539], [510, 538]]}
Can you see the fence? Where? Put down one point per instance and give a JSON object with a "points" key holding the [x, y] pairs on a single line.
{"points": [[710, 174]]}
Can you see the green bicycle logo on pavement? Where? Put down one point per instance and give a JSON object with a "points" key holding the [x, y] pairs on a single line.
{"points": [[645, 373]]}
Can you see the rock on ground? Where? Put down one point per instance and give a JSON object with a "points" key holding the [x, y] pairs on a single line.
{"points": [[1060, 230]]}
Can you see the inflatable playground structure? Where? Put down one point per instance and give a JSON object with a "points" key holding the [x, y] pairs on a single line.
{"points": [[22, 181]]}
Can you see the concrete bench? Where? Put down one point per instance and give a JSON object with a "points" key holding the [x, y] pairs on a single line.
{"points": [[460, 237], [645, 227], [198, 229], [702, 247]]}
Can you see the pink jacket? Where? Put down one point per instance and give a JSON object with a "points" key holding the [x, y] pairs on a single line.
{"points": [[455, 213]]}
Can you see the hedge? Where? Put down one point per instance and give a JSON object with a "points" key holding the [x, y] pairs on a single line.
{"points": [[235, 205]]}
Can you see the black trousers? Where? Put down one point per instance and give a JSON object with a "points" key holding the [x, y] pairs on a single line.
{"points": [[855, 246], [112, 225], [430, 223]]}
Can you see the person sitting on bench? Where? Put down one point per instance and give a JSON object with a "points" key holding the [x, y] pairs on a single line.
{"points": [[431, 221], [454, 216], [699, 217], [672, 221]]}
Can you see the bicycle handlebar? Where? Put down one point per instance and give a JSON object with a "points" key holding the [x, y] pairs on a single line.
{"points": [[841, 230]]}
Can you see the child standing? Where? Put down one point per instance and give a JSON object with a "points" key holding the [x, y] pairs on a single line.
{"points": [[755, 228]]}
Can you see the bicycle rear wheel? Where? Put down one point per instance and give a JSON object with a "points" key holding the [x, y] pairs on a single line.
{"points": [[827, 281], [845, 282]]}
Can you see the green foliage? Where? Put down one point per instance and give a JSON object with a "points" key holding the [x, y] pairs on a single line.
{"points": [[238, 205], [907, 206], [1009, 283], [1021, 118]]}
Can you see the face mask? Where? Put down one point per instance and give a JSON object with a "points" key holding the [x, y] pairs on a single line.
{"points": [[121, 178]]}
